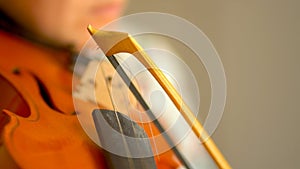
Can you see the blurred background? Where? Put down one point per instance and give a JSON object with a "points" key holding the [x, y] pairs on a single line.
{"points": [[258, 42]]}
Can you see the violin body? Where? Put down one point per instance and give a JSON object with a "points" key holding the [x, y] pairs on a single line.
{"points": [[36, 130], [45, 136], [38, 126]]}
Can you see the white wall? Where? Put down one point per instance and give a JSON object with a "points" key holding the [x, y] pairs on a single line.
{"points": [[258, 41]]}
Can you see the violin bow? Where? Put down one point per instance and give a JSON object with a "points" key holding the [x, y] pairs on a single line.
{"points": [[116, 42]]}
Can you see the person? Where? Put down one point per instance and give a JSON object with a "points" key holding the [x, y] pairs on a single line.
{"points": [[38, 42], [62, 23]]}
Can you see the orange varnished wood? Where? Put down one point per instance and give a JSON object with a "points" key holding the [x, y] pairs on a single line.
{"points": [[46, 139], [37, 125], [34, 134]]}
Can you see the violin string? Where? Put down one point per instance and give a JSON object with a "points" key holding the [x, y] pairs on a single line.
{"points": [[108, 84], [127, 67], [145, 106], [131, 119], [128, 99], [127, 106]]}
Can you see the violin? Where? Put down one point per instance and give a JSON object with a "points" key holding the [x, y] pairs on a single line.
{"points": [[38, 125], [38, 129]]}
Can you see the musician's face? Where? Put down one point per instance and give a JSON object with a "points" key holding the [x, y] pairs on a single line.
{"points": [[63, 21]]}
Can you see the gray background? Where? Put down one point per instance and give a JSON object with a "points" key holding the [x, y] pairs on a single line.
{"points": [[258, 42]]}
